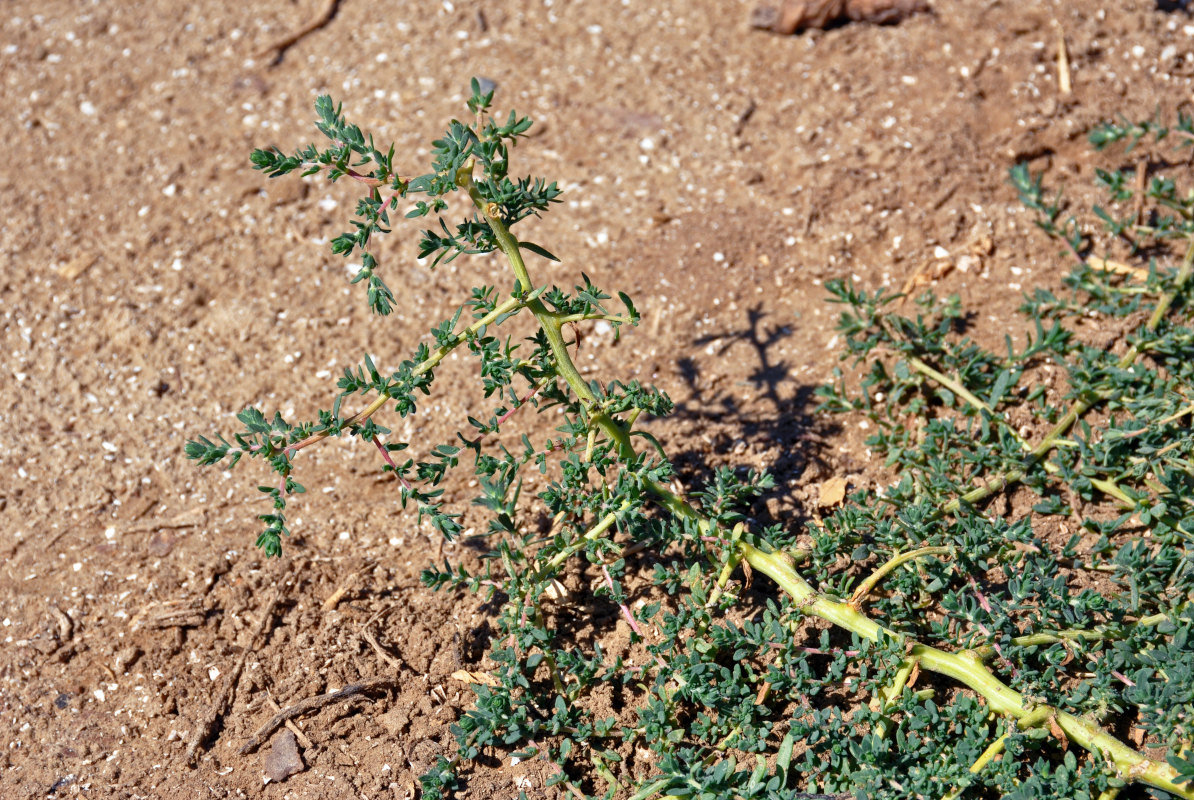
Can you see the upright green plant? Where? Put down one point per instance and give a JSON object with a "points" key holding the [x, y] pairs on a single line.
{"points": [[735, 694]]}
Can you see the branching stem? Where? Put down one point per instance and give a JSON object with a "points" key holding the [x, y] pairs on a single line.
{"points": [[893, 563], [967, 668], [1081, 405], [509, 306]]}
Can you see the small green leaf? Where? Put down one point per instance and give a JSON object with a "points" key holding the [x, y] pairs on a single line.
{"points": [[537, 250]]}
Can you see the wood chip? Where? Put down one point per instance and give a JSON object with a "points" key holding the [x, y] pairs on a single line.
{"points": [[1118, 267], [77, 265], [187, 613], [1063, 63], [1058, 733], [556, 590], [926, 275]]}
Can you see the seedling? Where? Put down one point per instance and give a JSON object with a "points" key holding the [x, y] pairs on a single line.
{"points": [[962, 649]]}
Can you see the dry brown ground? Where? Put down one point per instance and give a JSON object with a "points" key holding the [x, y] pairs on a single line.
{"points": [[152, 285]]}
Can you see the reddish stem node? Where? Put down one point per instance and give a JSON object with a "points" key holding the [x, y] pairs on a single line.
{"points": [[386, 455]]}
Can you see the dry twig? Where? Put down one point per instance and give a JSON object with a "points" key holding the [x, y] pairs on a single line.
{"points": [[314, 704], [324, 16], [204, 730], [377, 648], [186, 613], [295, 729], [335, 597]]}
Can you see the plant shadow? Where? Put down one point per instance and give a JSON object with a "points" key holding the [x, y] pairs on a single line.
{"points": [[777, 420]]}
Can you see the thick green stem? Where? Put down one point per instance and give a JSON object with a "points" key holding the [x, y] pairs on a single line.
{"points": [[967, 668]]}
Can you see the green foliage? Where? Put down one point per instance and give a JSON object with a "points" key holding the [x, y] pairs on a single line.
{"points": [[1065, 618]]}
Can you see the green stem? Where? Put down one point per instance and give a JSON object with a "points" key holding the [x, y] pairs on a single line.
{"points": [[985, 758], [968, 669], [961, 391], [1080, 406], [1111, 489], [549, 321], [1041, 639], [603, 525], [569, 318], [889, 693], [865, 587], [605, 773], [509, 306]]}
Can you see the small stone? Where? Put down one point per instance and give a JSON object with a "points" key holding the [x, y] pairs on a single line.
{"points": [[125, 658], [283, 759], [967, 263]]}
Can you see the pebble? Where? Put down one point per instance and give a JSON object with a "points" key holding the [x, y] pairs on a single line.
{"points": [[283, 759], [967, 263]]}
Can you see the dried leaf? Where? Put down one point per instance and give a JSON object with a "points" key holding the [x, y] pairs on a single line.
{"points": [[556, 590], [1058, 733], [833, 491], [475, 677]]}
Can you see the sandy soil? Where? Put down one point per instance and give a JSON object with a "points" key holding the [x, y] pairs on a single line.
{"points": [[152, 285]]}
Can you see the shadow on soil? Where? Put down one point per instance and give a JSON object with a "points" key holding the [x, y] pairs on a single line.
{"points": [[778, 420]]}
